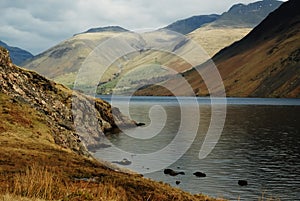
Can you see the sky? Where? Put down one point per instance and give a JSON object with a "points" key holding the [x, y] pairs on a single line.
{"points": [[36, 25]]}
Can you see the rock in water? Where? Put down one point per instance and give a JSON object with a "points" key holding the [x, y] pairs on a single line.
{"points": [[125, 161], [172, 172], [242, 182], [140, 124], [199, 174]]}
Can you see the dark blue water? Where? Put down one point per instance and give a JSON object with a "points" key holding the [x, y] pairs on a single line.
{"points": [[259, 143]]}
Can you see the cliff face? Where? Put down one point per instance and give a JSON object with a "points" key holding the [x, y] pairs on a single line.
{"points": [[76, 121]]}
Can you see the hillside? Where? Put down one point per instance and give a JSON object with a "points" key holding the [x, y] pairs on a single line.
{"points": [[265, 63], [43, 156], [188, 25], [62, 62], [213, 39], [66, 58], [18, 55]]}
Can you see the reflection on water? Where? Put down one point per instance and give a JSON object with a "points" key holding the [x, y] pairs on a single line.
{"points": [[259, 143]]}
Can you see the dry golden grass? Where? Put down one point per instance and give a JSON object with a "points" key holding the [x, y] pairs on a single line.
{"points": [[10, 197], [44, 183], [38, 182]]}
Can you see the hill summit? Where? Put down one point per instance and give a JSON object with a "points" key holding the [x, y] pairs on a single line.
{"points": [[105, 29]]}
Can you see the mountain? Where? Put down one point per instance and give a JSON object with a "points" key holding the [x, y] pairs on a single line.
{"points": [[18, 55], [188, 25], [265, 63], [250, 15], [232, 25], [239, 15], [44, 156], [63, 61]]}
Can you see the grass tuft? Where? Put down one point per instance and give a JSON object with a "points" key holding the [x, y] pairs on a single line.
{"points": [[37, 182]]}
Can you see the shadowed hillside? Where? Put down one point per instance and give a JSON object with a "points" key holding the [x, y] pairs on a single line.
{"points": [[263, 64]]}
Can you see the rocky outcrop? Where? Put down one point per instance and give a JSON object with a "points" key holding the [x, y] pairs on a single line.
{"points": [[76, 121]]}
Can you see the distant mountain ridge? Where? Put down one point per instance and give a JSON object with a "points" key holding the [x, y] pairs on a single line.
{"points": [[188, 25], [105, 29], [226, 28], [241, 15], [18, 55]]}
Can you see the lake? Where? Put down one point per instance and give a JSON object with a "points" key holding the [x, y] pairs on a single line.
{"points": [[259, 143]]}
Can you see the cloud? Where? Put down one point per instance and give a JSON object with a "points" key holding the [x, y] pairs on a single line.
{"points": [[38, 25]]}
